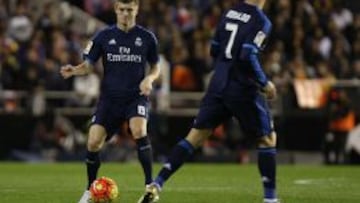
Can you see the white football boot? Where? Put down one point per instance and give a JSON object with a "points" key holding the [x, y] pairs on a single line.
{"points": [[151, 194], [85, 198], [271, 200]]}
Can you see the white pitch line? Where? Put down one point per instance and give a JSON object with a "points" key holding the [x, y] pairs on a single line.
{"points": [[183, 189], [318, 181], [303, 182]]}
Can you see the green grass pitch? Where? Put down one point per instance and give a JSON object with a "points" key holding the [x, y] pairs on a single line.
{"points": [[194, 183]]}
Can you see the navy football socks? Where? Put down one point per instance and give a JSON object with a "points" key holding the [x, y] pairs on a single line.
{"points": [[181, 152], [145, 157], [267, 168], [92, 165]]}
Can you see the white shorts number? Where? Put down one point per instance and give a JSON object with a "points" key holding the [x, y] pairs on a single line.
{"points": [[141, 110]]}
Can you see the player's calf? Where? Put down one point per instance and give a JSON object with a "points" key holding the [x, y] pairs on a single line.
{"points": [[197, 137]]}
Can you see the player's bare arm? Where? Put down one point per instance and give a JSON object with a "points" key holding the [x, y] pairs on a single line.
{"points": [[146, 83], [69, 70]]}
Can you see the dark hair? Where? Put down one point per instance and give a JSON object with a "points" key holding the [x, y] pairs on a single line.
{"points": [[128, 1]]}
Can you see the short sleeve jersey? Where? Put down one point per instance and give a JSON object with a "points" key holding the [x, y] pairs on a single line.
{"points": [[125, 56]]}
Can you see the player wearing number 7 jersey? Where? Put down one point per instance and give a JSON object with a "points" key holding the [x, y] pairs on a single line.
{"points": [[238, 88]]}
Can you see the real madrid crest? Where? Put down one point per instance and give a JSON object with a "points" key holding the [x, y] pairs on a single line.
{"points": [[138, 42]]}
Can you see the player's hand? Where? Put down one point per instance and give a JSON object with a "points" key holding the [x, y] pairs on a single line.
{"points": [[67, 71], [269, 90], [146, 86]]}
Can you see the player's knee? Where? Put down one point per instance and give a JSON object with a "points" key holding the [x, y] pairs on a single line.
{"points": [[94, 144], [138, 132], [138, 127], [268, 141], [96, 138], [197, 137]]}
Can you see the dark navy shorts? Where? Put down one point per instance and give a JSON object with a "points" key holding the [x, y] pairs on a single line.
{"points": [[251, 111], [111, 113]]}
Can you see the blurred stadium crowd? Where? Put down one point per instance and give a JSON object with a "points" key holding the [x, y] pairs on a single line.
{"points": [[311, 39]]}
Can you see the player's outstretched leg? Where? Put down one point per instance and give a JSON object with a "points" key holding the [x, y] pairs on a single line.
{"points": [[179, 155]]}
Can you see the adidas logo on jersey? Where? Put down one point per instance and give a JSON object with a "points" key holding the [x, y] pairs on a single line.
{"points": [[112, 42]]}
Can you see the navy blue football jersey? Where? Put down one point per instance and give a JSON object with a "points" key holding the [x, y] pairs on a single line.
{"points": [[124, 57], [240, 35]]}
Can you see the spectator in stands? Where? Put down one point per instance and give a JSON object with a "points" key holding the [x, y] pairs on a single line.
{"points": [[332, 34], [356, 47], [3, 10], [353, 146], [99, 8], [342, 16], [20, 25], [341, 122], [9, 65], [357, 69]]}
